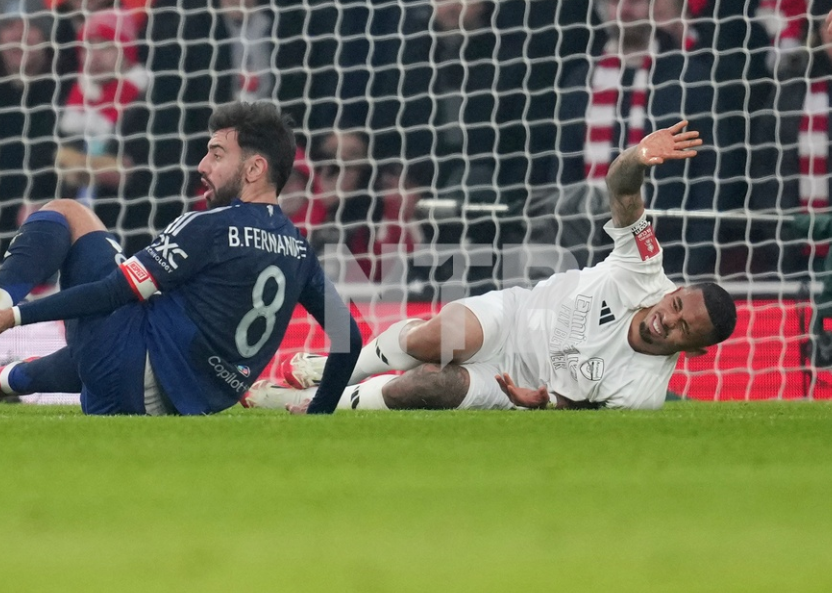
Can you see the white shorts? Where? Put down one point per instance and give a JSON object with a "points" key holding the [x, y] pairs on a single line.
{"points": [[493, 311], [484, 392]]}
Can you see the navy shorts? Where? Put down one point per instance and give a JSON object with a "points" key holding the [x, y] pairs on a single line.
{"points": [[109, 349]]}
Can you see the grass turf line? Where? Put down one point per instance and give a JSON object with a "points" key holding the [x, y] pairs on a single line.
{"points": [[696, 497]]}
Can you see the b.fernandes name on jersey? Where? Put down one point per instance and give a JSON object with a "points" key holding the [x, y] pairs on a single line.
{"points": [[266, 241]]}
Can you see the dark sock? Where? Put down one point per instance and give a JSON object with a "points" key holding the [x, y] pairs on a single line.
{"points": [[56, 373], [35, 254]]}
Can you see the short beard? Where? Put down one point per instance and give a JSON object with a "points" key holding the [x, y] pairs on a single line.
{"points": [[225, 194], [644, 332]]}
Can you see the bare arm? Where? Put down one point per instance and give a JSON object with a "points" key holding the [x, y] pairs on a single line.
{"points": [[626, 174]]}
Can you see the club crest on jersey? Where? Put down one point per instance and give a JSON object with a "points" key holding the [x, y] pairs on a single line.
{"points": [[646, 242], [169, 251], [593, 369]]}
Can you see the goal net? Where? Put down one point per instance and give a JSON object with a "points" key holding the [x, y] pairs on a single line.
{"points": [[448, 148]]}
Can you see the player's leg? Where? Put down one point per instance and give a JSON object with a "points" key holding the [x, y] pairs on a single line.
{"points": [[433, 387], [110, 349], [41, 246], [366, 396], [427, 387], [455, 335], [55, 373]]}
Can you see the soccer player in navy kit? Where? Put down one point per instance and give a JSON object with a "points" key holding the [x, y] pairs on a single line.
{"points": [[185, 325]]}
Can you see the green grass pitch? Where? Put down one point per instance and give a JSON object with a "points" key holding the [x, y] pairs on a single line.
{"points": [[696, 497]]}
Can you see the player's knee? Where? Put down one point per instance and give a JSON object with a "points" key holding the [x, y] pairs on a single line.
{"points": [[414, 389], [420, 340], [81, 219], [431, 369], [430, 386], [67, 207], [445, 386], [452, 336]]}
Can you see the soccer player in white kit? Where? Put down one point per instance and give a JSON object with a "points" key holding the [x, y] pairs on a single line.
{"points": [[605, 336]]}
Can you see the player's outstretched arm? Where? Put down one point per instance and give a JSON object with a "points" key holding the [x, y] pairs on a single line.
{"points": [[95, 298], [626, 174]]}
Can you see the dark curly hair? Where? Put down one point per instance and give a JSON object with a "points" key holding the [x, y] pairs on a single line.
{"points": [[261, 129]]}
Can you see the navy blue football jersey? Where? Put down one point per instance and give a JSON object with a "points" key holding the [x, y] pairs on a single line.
{"points": [[220, 288]]}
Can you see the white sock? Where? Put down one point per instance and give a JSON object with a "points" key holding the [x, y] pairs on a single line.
{"points": [[384, 354], [5, 388], [366, 395]]}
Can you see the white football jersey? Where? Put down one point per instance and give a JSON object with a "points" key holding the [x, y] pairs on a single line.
{"points": [[570, 332]]}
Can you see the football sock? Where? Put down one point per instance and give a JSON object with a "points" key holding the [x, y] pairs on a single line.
{"points": [[366, 395], [56, 373], [5, 372], [35, 254], [384, 354]]}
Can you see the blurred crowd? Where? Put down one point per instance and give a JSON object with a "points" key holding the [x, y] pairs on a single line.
{"points": [[432, 128]]}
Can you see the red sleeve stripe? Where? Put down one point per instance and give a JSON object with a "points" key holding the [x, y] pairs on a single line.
{"points": [[139, 278]]}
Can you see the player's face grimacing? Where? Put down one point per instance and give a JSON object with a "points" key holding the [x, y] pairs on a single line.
{"points": [[679, 322], [222, 169]]}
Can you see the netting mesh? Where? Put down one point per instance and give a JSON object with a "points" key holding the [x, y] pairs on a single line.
{"points": [[449, 147]]}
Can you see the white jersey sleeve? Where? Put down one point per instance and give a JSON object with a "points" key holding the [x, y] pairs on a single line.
{"points": [[636, 264]]}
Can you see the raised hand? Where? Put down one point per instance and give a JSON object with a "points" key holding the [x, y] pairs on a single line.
{"points": [[668, 144]]}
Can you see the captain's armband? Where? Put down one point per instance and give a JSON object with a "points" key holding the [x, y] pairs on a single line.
{"points": [[139, 278]]}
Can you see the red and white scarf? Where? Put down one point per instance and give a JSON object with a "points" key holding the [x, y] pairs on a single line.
{"points": [[813, 147], [784, 20], [813, 150], [603, 113]]}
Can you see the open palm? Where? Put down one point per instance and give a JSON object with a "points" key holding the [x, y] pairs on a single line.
{"points": [[668, 144]]}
